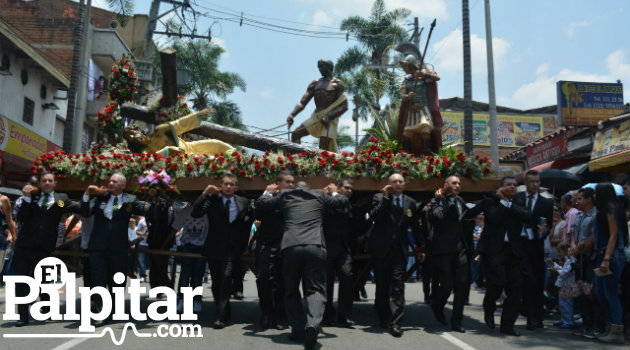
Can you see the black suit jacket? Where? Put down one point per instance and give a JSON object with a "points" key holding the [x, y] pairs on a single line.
{"points": [[271, 227], [542, 208], [303, 214], [449, 233], [224, 239], [40, 226], [389, 230], [499, 219], [337, 230], [111, 234]]}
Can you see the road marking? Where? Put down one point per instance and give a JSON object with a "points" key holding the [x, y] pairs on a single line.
{"points": [[460, 344], [70, 344]]}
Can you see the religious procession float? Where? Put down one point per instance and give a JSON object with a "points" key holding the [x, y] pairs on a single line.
{"points": [[164, 147]]}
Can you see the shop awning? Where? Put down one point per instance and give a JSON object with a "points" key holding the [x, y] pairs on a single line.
{"points": [[616, 163]]}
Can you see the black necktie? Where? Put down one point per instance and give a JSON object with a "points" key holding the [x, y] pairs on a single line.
{"points": [[398, 205], [228, 202], [530, 199]]}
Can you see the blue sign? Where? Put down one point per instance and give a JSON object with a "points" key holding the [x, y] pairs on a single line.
{"points": [[581, 103]]}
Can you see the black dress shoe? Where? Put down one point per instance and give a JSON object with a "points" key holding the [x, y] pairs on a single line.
{"points": [[218, 325], [510, 331], [363, 293], [265, 322], [395, 331], [100, 323], [439, 315], [21, 323], [458, 328], [489, 318], [383, 324], [310, 337], [530, 326], [239, 296], [539, 324], [346, 323]]}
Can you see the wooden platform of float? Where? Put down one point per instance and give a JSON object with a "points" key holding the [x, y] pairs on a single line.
{"points": [[193, 186]]}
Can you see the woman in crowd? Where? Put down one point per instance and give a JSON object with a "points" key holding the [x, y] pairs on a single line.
{"points": [[611, 235]]}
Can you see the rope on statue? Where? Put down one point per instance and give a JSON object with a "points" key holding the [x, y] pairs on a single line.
{"points": [[265, 130]]}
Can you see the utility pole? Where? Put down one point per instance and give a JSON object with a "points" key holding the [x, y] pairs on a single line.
{"points": [[74, 77], [416, 32], [468, 114], [151, 24], [79, 109], [492, 103]]}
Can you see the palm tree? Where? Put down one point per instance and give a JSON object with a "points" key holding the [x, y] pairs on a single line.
{"points": [[228, 114], [380, 31], [207, 82], [123, 9]]}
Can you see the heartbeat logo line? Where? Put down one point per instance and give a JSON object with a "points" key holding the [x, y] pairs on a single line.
{"points": [[90, 335]]}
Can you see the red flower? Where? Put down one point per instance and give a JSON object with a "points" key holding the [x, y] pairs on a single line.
{"points": [[429, 169]]}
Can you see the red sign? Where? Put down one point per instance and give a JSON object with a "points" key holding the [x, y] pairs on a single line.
{"points": [[547, 151]]}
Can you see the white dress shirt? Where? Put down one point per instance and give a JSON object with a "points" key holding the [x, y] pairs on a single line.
{"points": [[109, 207], [233, 207], [528, 232], [51, 199]]}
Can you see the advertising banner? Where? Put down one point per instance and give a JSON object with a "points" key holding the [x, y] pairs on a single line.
{"points": [[513, 130], [582, 103], [547, 151], [611, 140], [19, 141]]}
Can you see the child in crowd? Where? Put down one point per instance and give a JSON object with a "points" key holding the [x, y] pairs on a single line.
{"points": [[566, 276]]}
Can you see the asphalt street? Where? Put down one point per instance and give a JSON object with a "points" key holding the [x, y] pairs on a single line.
{"points": [[421, 330]]}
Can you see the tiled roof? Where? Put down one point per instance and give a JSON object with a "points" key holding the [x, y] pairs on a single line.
{"points": [[47, 26]]}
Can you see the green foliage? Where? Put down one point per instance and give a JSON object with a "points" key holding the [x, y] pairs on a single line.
{"points": [[123, 9]]}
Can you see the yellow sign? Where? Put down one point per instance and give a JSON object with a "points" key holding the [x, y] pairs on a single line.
{"points": [[611, 140], [20, 141], [513, 130]]}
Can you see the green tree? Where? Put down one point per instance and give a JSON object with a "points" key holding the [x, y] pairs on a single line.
{"points": [[123, 9], [344, 139], [376, 34], [228, 114]]}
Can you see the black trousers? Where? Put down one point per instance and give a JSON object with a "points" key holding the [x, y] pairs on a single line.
{"points": [[238, 273], [534, 280], [158, 273], [305, 264], [221, 274], [87, 273], [389, 275], [269, 283], [24, 262], [451, 272], [429, 283], [503, 272], [340, 266], [103, 266]]}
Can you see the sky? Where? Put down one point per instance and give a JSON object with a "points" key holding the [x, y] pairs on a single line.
{"points": [[536, 43]]}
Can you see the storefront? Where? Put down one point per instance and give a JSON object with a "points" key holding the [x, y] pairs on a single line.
{"points": [[19, 147]]}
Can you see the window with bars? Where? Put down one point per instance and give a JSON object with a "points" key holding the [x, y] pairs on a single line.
{"points": [[28, 111]]}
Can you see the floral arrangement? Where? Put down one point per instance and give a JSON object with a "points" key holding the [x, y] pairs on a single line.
{"points": [[153, 183], [123, 81], [374, 162], [110, 122], [166, 114]]}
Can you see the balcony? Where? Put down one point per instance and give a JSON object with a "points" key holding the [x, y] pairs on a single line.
{"points": [[107, 46]]}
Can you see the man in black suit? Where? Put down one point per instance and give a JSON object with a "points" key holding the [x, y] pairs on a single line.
{"points": [[229, 218], [303, 253], [268, 259], [109, 242], [337, 232], [502, 251], [392, 213], [534, 234], [449, 251], [39, 216]]}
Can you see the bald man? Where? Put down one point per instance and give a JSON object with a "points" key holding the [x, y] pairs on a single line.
{"points": [[392, 213]]}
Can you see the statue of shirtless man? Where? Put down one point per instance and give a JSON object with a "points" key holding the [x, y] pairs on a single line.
{"points": [[331, 102]]}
